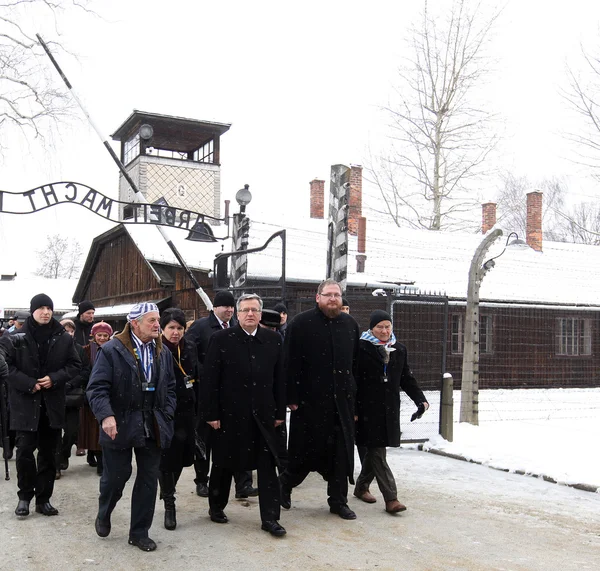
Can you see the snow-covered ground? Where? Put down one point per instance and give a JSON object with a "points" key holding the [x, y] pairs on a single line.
{"points": [[553, 433]]}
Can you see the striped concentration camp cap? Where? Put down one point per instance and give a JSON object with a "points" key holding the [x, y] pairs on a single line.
{"points": [[140, 309]]}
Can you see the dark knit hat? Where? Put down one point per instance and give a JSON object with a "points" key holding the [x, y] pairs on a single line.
{"points": [[280, 308], [377, 316], [224, 299], [84, 306], [40, 300], [270, 318], [345, 302]]}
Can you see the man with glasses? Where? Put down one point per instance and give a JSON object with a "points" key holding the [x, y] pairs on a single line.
{"points": [[243, 400], [321, 345], [200, 332]]}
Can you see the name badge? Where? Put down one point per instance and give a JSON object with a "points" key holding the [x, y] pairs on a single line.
{"points": [[148, 387], [189, 384], [384, 379]]}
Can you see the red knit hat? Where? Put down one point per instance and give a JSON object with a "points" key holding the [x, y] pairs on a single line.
{"points": [[102, 327]]}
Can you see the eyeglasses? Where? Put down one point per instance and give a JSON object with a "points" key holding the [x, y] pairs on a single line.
{"points": [[249, 310], [333, 295]]}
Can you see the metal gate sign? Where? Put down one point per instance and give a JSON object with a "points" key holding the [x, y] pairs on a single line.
{"points": [[53, 194]]}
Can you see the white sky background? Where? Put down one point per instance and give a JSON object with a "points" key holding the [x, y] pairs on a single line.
{"points": [[302, 87]]}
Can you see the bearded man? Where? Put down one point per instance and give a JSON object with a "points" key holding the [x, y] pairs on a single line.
{"points": [[321, 346]]}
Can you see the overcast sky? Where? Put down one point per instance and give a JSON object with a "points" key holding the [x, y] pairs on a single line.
{"points": [[301, 83]]}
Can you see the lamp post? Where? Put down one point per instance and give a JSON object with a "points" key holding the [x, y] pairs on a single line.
{"points": [[469, 403], [241, 227], [469, 392]]}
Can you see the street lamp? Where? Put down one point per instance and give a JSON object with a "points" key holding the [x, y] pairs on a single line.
{"points": [[241, 228], [243, 197]]}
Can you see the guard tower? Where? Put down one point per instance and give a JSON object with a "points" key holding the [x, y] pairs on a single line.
{"points": [[173, 160]]}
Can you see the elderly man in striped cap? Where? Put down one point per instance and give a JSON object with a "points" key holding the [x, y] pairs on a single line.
{"points": [[132, 394]]}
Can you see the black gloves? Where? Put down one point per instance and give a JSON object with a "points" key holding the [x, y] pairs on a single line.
{"points": [[419, 413]]}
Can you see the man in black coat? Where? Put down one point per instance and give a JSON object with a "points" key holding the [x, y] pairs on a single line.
{"points": [[243, 400], [200, 332], [38, 371], [74, 395], [132, 395], [84, 322], [320, 351]]}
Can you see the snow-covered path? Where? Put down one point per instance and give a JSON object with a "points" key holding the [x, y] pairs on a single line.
{"points": [[460, 516]]}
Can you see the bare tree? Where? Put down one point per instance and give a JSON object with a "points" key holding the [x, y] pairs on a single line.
{"points": [[512, 205], [441, 138], [60, 258], [581, 224], [583, 97], [31, 96]]}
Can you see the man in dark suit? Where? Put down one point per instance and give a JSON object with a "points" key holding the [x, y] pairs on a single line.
{"points": [[200, 332], [243, 400]]}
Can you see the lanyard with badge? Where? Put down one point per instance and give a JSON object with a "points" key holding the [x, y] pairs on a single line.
{"points": [[145, 370], [187, 379]]}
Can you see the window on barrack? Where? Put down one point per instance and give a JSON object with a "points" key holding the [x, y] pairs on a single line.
{"points": [[574, 336]]}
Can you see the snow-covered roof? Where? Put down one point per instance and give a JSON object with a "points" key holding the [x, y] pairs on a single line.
{"points": [[562, 274], [16, 294], [197, 255]]}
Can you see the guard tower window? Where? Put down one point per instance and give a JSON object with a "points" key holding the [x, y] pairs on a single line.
{"points": [[131, 149], [206, 153]]}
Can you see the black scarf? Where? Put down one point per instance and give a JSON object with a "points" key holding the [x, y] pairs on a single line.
{"points": [[41, 334]]}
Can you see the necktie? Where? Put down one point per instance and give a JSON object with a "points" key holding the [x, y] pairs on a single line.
{"points": [[225, 325]]}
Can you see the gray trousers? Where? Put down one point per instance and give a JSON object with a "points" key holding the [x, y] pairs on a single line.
{"points": [[375, 466]]}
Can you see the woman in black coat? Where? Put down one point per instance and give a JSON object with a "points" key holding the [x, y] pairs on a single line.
{"points": [[181, 451], [382, 370]]}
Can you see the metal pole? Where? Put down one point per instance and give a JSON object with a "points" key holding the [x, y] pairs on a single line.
{"points": [[469, 393], [447, 408], [139, 196]]}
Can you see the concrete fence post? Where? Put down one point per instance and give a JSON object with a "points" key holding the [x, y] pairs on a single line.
{"points": [[447, 409]]}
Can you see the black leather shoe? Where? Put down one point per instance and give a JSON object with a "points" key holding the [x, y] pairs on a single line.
{"points": [[286, 498], [22, 508], [202, 490], [46, 509], [102, 527], [144, 543], [247, 492], [218, 516], [343, 511], [273, 527]]}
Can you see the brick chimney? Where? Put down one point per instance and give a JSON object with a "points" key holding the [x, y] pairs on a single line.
{"points": [[488, 216], [361, 257], [534, 220], [355, 201], [317, 198]]}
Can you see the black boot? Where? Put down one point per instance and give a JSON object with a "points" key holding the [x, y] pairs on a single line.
{"points": [[167, 492], [100, 466]]}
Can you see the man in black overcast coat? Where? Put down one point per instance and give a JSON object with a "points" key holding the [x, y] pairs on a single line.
{"points": [[200, 332], [321, 346], [38, 372], [84, 322], [243, 400]]}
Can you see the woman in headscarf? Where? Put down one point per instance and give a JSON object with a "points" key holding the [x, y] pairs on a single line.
{"points": [[181, 451], [89, 429], [382, 370]]}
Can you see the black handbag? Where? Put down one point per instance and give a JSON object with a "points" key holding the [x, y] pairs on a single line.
{"points": [[74, 398]]}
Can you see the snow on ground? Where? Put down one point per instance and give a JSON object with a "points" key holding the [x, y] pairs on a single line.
{"points": [[546, 432]]}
